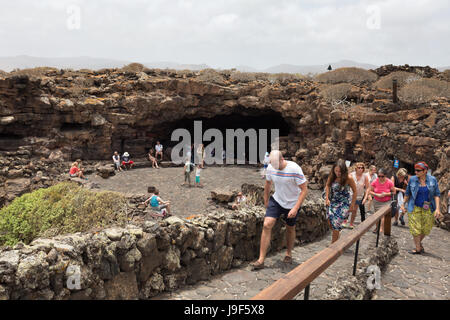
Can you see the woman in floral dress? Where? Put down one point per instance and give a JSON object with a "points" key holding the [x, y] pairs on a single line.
{"points": [[337, 197]]}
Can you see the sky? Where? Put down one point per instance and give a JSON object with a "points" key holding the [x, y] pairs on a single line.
{"points": [[230, 33]]}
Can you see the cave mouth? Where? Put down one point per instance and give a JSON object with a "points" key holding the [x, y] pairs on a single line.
{"points": [[243, 119]]}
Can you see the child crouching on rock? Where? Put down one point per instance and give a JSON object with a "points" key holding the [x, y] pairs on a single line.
{"points": [[158, 205]]}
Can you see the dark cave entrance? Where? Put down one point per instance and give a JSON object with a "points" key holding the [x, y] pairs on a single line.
{"points": [[249, 120]]}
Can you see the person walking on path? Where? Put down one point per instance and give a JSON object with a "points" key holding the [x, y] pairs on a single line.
{"points": [[290, 192], [266, 164], [197, 183], [200, 155], [422, 199], [337, 197], [400, 183], [362, 188], [381, 189], [372, 177], [188, 168]]}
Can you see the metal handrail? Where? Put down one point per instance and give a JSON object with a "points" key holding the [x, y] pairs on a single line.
{"points": [[300, 278]]}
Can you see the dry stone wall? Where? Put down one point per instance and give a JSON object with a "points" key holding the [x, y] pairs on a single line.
{"points": [[142, 260]]}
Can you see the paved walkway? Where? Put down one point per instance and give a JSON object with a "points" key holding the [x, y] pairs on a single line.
{"points": [[407, 276]]}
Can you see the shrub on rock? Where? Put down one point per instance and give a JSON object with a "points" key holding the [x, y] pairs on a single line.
{"points": [[63, 208], [348, 75]]}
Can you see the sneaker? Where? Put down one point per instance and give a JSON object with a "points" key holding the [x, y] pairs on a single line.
{"points": [[345, 225], [351, 226], [396, 223], [402, 221]]}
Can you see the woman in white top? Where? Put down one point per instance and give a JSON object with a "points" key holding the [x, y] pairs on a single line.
{"points": [[362, 187], [200, 155], [159, 150]]}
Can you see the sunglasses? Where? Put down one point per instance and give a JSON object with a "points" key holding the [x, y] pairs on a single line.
{"points": [[381, 176], [360, 167], [418, 170]]}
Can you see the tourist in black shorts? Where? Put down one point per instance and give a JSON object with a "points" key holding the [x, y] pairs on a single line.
{"points": [[290, 191]]}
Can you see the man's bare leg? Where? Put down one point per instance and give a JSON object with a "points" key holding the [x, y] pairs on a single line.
{"points": [[265, 238], [290, 240]]}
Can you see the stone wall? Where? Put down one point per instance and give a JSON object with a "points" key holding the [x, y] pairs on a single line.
{"points": [[143, 259]]}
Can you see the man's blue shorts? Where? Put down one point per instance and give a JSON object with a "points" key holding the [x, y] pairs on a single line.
{"points": [[274, 210]]}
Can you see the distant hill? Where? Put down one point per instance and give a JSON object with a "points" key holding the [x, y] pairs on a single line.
{"points": [[288, 68], [23, 62]]}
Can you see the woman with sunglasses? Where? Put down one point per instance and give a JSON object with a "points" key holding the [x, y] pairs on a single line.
{"points": [[362, 186], [337, 197], [422, 197], [381, 189]]}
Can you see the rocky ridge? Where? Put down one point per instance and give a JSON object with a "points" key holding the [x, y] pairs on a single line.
{"points": [[66, 115]]}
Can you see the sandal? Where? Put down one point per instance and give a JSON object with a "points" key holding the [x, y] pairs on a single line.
{"points": [[415, 252], [287, 260], [256, 265]]}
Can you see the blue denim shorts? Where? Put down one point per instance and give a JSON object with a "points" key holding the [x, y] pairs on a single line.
{"points": [[274, 210]]}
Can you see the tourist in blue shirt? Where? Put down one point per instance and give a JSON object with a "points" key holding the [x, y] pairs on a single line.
{"points": [[422, 198]]}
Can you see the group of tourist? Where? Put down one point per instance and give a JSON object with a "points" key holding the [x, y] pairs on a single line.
{"points": [[345, 193], [420, 192]]}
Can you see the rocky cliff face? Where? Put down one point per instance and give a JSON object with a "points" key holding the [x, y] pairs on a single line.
{"points": [[88, 115]]}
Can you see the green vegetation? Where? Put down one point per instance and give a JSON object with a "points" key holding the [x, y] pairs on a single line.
{"points": [[63, 208]]}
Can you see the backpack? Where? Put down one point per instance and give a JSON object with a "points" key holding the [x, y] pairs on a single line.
{"points": [[191, 167]]}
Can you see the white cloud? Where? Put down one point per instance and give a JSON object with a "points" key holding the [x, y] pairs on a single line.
{"points": [[226, 33]]}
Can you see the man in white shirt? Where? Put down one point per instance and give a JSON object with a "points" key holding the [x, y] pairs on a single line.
{"points": [[159, 150], [290, 192]]}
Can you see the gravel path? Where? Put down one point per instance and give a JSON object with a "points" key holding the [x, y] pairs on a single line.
{"points": [[407, 276], [185, 201]]}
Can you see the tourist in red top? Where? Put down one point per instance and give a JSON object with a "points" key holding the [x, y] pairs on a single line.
{"points": [[75, 172], [381, 189]]}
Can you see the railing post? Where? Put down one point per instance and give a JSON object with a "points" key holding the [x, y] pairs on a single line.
{"points": [[378, 233], [306, 294], [387, 223], [356, 257]]}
